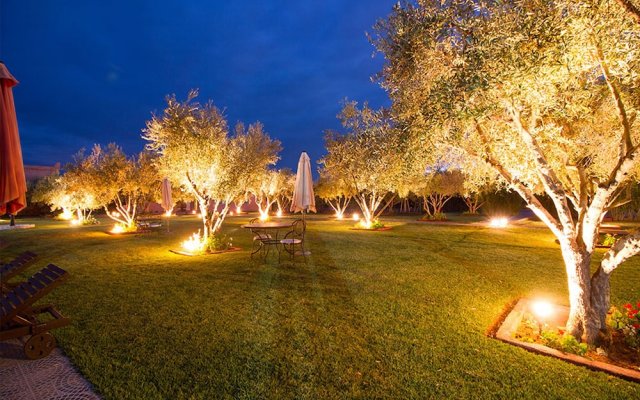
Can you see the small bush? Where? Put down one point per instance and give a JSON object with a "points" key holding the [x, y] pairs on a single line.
{"points": [[218, 242], [566, 343]]}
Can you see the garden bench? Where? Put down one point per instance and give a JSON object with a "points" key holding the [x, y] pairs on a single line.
{"points": [[19, 318]]}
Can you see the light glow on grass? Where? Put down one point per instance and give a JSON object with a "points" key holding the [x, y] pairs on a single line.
{"points": [[75, 222], [499, 222]]}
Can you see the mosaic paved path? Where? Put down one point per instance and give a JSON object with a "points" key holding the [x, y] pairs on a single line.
{"points": [[52, 377]]}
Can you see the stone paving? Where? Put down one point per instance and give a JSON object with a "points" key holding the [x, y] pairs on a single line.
{"points": [[52, 377]]}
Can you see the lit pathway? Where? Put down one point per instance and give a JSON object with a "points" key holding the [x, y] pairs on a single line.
{"points": [[52, 377]]}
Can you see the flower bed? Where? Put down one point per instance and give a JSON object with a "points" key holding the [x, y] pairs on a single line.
{"points": [[548, 338]]}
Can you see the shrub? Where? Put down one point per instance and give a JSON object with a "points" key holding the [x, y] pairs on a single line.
{"points": [[218, 242]]}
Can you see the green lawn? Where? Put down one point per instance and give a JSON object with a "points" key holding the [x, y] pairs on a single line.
{"points": [[394, 314]]}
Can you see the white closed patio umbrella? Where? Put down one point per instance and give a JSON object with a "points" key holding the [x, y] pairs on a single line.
{"points": [[303, 197]]}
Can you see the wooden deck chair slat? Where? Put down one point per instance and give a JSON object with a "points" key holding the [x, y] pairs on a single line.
{"points": [[27, 287], [35, 283], [22, 295], [14, 300], [57, 269], [49, 273], [42, 278]]}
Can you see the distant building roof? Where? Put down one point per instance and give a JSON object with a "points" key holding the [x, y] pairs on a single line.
{"points": [[35, 172]]}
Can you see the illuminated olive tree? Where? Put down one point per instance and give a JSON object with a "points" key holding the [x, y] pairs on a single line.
{"points": [[437, 187], [50, 191], [334, 190], [195, 151], [74, 192], [545, 93], [285, 195], [266, 189], [369, 157], [121, 181]]}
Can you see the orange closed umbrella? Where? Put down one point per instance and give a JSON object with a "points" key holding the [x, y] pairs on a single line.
{"points": [[13, 186]]}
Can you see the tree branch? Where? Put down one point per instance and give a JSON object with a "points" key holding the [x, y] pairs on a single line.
{"points": [[532, 201], [547, 175], [630, 8], [625, 141], [623, 249]]}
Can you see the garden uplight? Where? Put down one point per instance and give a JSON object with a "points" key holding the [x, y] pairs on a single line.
{"points": [[264, 216], [355, 217], [167, 213], [117, 228], [542, 309], [501, 222], [75, 221], [66, 214], [194, 244], [339, 215], [238, 210], [279, 213]]}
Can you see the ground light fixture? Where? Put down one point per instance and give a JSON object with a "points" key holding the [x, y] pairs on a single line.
{"points": [[279, 213], [117, 228], [75, 222], [339, 215], [264, 216], [194, 244], [499, 222], [167, 213], [542, 310], [66, 214], [355, 217]]}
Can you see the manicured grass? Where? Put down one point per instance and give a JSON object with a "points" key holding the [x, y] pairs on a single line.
{"points": [[394, 314]]}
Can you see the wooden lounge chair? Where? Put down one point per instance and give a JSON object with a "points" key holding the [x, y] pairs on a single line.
{"points": [[13, 268], [18, 316]]}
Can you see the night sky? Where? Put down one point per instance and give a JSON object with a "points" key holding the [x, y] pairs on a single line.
{"points": [[93, 72]]}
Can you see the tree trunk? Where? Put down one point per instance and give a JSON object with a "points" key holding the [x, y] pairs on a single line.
{"points": [[600, 303], [577, 265]]}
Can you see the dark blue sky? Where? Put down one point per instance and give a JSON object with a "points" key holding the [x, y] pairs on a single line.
{"points": [[93, 71]]}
